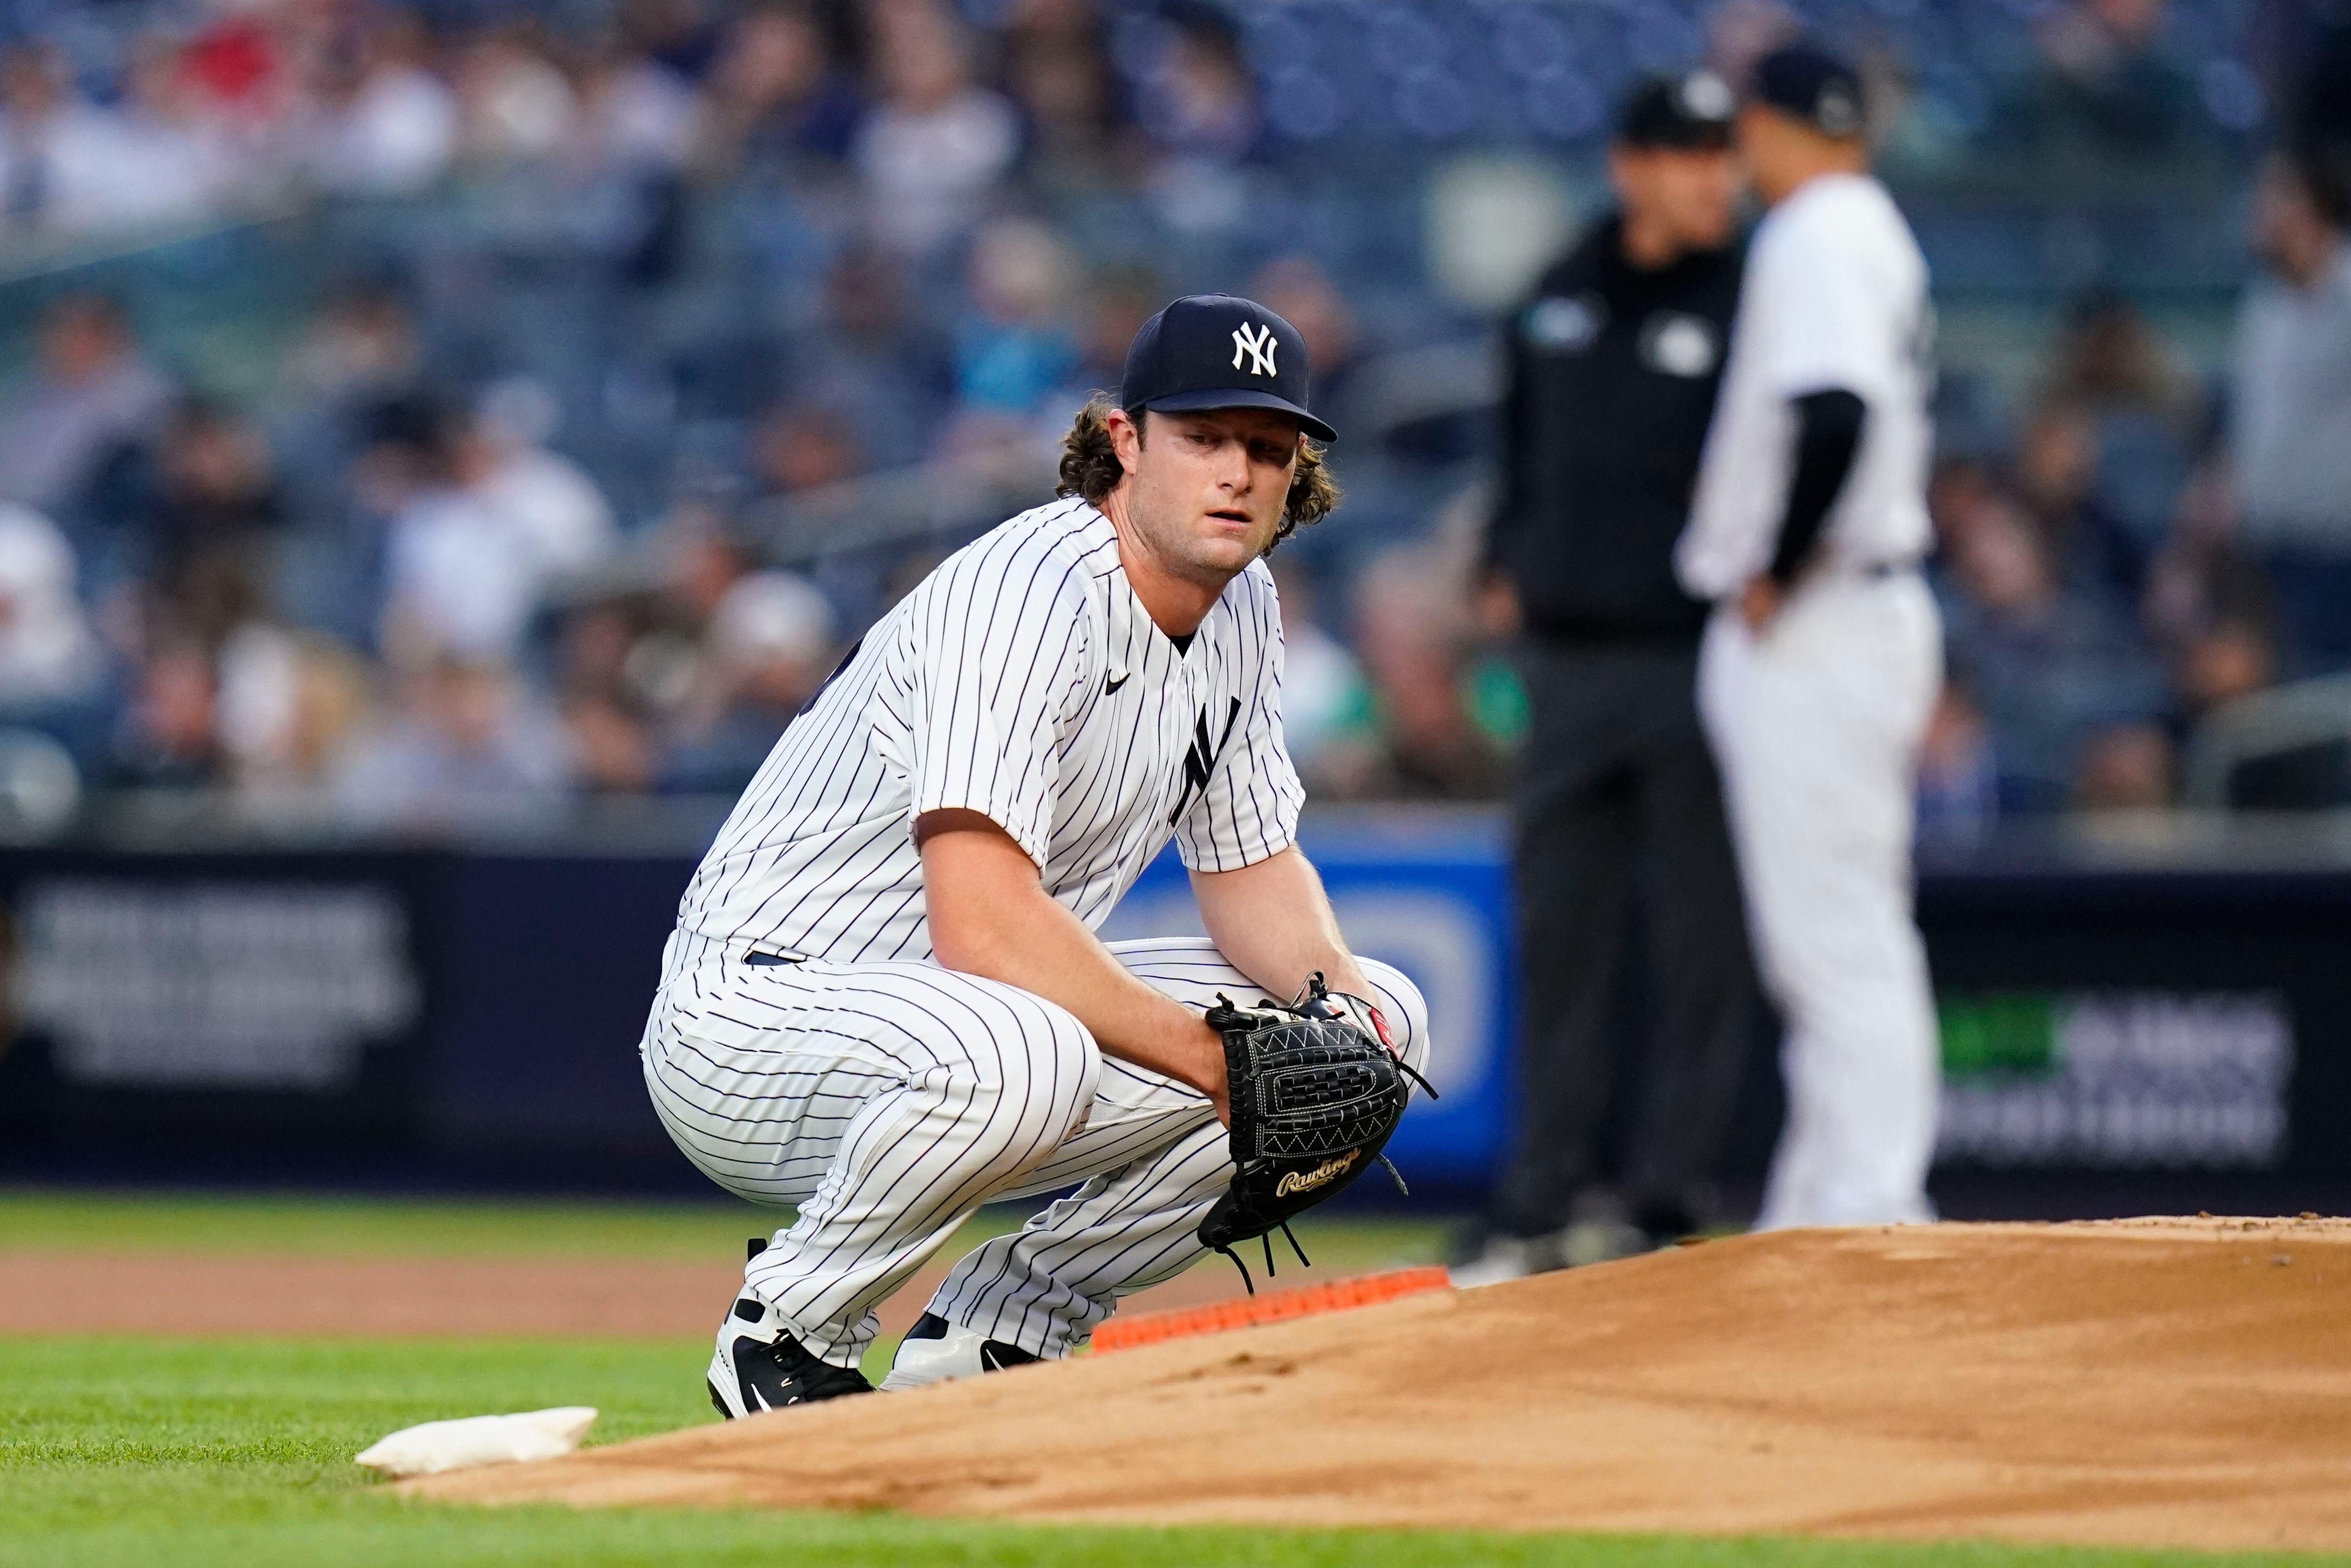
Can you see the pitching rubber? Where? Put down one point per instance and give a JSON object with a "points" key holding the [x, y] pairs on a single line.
{"points": [[1275, 1306]]}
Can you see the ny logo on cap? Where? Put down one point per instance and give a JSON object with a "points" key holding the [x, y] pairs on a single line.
{"points": [[1259, 348]]}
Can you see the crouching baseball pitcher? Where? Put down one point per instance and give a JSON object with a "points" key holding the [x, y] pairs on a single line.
{"points": [[884, 1000]]}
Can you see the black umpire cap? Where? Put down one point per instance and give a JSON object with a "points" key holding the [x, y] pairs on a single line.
{"points": [[1219, 350], [1806, 82], [1693, 111]]}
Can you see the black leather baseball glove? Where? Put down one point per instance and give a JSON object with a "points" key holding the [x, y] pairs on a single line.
{"points": [[1316, 1092]]}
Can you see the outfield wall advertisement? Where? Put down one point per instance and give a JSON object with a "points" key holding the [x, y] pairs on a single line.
{"points": [[443, 1016]]}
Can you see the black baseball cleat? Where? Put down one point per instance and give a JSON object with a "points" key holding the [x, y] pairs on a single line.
{"points": [[758, 1366], [935, 1351]]}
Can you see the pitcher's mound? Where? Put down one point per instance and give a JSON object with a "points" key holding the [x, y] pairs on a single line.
{"points": [[2164, 1382]]}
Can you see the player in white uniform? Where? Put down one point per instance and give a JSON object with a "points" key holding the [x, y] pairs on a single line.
{"points": [[884, 1001], [1823, 657]]}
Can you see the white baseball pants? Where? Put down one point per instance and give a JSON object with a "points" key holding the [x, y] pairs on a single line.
{"points": [[1817, 726], [889, 1100]]}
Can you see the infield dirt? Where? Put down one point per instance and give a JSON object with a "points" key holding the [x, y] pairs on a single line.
{"points": [[442, 1298], [2160, 1382]]}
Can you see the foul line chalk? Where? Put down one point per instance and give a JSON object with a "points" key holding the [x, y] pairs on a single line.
{"points": [[1273, 1307]]}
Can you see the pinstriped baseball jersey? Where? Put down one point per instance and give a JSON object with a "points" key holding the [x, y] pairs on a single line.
{"points": [[1025, 681]]}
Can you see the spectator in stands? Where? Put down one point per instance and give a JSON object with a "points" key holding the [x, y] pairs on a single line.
{"points": [[380, 123], [1327, 718], [2057, 466], [796, 447], [681, 36], [170, 163], [936, 143], [1200, 100], [60, 155], [92, 391], [777, 100], [1959, 783], [702, 559], [621, 167], [290, 702], [168, 739], [2118, 371], [469, 751], [2204, 584], [636, 117], [771, 645], [493, 526], [194, 517], [1200, 111], [612, 748], [2210, 609], [1017, 344], [2291, 422], [1413, 632], [1073, 116], [597, 650], [2053, 670], [625, 672], [2320, 121], [544, 495], [240, 63], [874, 357], [634, 657], [2127, 767], [461, 578], [48, 657], [515, 103], [2106, 96], [362, 353]]}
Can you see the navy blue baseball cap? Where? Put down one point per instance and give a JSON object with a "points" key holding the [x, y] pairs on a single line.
{"points": [[1689, 113], [1219, 350], [1806, 82]]}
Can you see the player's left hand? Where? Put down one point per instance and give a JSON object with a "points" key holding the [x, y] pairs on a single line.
{"points": [[1759, 603], [1317, 1089]]}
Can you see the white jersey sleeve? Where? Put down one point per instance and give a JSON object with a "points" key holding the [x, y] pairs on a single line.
{"points": [[1828, 328], [1246, 809], [995, 660]]}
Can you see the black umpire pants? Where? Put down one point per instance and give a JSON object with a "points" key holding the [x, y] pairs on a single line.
{"points": [[1619, 826]]}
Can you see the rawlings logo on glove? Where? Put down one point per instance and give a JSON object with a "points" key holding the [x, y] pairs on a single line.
{"points": [[1317, 1089], [1307, 1181]]}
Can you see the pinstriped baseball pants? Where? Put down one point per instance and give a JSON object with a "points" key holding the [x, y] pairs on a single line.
{"points": [[889, 1100]]}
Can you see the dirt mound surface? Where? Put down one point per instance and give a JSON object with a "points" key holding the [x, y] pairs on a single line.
{"points": [[2159, 1382]]}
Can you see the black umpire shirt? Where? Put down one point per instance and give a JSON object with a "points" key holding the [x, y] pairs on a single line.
{"points": [[1611, 383]]}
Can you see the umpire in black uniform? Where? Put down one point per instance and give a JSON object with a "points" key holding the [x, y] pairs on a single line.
{"points": [[1619, 818]]}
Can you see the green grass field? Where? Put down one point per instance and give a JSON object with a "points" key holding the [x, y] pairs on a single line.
{"points": [[235, 1453]]}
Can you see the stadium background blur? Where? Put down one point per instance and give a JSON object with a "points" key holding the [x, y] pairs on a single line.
{"points": [[482, 424]]}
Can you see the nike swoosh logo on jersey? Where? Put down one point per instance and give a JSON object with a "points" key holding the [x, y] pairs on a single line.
{"points": [[1112, 683]]}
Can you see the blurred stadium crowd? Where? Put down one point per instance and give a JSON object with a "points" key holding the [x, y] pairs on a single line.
{"points": [[430, 417]]}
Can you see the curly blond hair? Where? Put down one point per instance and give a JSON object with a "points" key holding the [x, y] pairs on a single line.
{"points": [[1089, 467]]}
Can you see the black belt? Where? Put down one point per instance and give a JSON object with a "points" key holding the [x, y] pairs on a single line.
{"points": [[766, 960]]}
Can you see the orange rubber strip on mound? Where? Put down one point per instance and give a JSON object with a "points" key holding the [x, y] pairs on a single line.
{"points": [[1305, 1301]]}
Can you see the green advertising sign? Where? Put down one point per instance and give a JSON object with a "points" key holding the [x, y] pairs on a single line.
{"points": [[2097, 1077]]}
